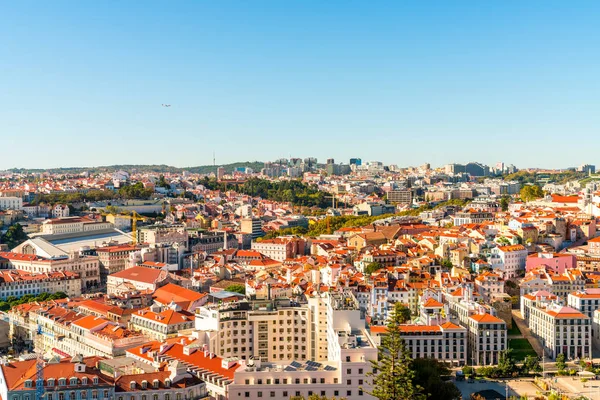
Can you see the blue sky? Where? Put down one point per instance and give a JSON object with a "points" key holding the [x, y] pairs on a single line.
{"points": [[82, 83]]}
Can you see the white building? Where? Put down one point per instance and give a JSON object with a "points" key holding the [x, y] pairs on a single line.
{"points": [[509, 260], [585, 301], [87, 267], [60, 211], [561, 329], [70, 225], [11, 203], [350, 349], [446, 342], [19, 283]]}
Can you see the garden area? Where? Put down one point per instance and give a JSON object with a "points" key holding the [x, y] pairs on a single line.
{"points": [[514, 330], [521, 349]]}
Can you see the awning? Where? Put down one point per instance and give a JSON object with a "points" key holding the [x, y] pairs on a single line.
{"points": [[60, 353], [586, 373]]}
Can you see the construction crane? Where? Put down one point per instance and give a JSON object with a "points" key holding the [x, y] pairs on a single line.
{"points": [[134, 217], [328, 217], [39, 380]]}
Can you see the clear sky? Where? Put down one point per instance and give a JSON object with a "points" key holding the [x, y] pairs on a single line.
{"points": [[82, 82]]}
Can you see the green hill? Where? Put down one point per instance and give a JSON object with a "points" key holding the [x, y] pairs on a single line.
{"points": [[203, 169]]}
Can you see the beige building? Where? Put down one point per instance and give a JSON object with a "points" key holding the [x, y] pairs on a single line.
{"points": [[87, 267], [72, 225]]}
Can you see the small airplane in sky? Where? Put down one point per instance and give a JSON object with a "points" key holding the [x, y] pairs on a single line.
{"points": [[166, 105]]}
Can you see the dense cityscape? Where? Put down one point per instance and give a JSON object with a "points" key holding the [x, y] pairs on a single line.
{"points": [[295, 279]]}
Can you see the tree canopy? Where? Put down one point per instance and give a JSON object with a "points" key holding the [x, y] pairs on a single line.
{"points": [[429, 373], [531, 192], [236, 288], [14, 236]]}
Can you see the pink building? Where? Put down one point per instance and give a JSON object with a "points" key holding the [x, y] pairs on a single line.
{"points": [[557, 262]]}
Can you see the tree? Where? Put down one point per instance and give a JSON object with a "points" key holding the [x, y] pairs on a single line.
{"points": [[403, 312], [446, 263], [504, 202], [560, 362], [14, 236], [392, 376], [531, 192], [373, 267], [531, 364], [506, 363], [428, 374], [236, 288]]}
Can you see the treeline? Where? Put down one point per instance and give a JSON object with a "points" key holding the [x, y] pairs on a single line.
{"points": [[524, 177], [162, 168], [293, 191], [70, 198], [12, 301], [135, 191]]}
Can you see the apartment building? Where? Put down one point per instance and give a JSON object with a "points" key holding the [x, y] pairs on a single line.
{"points": [[400, 196], [594, 246], [174, 382], [488, 284], [585, 301], [70, 378], [510, 261], [86, 267], [168, 234], [350, 349], [281, 248], [252, 226], [446, 342], [557, 262], [558, 284], [266, 330], [114, 258], [561, 329], [19, 283], [135, 279], [161, 323], [65, 332], [487, 338], [11, 203]]}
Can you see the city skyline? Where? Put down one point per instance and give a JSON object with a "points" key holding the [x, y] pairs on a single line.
{"points": [[404, 83]]}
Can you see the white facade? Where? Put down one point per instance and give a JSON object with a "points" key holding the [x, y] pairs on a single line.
{"points": [[11, 203], [510, 260]]}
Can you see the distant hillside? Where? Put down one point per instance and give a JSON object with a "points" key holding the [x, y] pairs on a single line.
{"points": [[203, 169]]}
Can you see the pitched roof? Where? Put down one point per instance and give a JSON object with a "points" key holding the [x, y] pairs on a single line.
{"points": [[139, 274]]}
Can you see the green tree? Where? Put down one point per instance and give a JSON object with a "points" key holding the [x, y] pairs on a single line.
{"points": [[561, 362], [531, 364], [236, 288], [504, 202], [373, 267], [403, 312], [506, 363], [446, 263], [531, 192], [14, 236], [429, 373], [392, 377]]}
